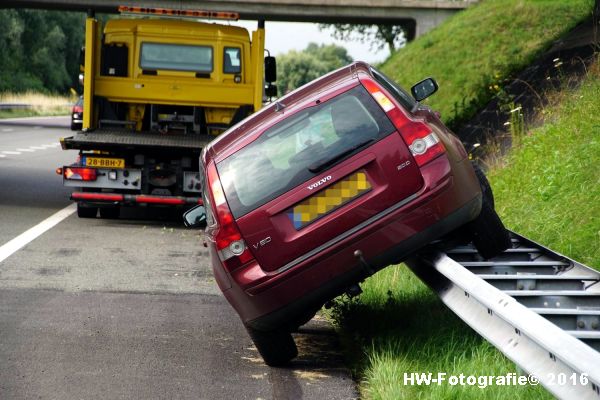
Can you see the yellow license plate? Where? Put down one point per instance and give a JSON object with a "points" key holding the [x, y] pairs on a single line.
{"points": [[102, 162], [329, 199]]}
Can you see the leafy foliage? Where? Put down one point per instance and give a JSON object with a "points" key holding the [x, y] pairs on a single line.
{"points": [[39, 50], [296, 68], [379, 36]]}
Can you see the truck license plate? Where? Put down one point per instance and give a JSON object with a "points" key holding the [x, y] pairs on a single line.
{"points": [[105, 162]]}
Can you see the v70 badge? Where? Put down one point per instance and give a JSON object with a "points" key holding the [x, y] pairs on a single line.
{"points": [[262, 243]]}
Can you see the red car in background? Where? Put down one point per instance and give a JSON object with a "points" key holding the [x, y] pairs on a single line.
{"points": [[77, 115], [338, 179]]}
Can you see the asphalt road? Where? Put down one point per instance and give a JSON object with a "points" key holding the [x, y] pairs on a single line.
{"points": [[124, 308]]}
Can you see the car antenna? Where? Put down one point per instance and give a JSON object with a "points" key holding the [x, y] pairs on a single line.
{"points": [[279, 106]]}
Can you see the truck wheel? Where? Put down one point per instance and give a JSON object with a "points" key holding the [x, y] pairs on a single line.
{"points": [[277, 348], [86, 212], [109, 212]]}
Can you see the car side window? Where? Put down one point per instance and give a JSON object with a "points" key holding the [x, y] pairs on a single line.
{"points": [[405, 99]]}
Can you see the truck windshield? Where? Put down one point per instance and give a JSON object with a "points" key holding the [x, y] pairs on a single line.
{"points": [[176, 57], [300, 147]]}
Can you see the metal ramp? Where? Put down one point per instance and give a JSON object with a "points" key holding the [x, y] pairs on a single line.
{"points": [[540, 308]]}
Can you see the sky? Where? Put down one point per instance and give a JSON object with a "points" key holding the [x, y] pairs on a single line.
{"points": [[282, 37]]}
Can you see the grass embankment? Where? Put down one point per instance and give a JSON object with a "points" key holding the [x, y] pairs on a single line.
{"points": [[40, 104], [548, 188], [472, 53]]}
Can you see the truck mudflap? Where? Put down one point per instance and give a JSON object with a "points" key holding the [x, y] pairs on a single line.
{"points": [[134, 199]]}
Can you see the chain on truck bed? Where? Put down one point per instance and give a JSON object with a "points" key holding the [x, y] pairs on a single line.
{"points": [[540, 308]]}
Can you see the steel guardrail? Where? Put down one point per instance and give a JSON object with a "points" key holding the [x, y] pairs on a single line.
{"points": [[14, 106], [540, 308]]}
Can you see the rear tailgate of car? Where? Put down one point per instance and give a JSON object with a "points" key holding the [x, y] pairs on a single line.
{"points": [[315, 176]]}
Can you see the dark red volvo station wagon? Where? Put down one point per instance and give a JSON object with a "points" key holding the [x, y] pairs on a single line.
{"points": [[311, 195]]}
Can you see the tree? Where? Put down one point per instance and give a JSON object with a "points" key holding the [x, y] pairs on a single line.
{"points": [[394, 36], [296, 68], [39, 50]]}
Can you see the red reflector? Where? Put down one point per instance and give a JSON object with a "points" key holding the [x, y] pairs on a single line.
{"points": [[97, 197], [159, 200], [80, 174], [228, 239]]}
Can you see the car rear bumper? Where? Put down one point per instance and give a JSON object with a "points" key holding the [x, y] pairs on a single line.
{"points": [[267, 301], [288, 314]]}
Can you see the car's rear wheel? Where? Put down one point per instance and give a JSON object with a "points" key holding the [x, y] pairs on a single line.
{"points": [[86, 212], [486, 189], [487, 231], [277, 348], [109, 212]]}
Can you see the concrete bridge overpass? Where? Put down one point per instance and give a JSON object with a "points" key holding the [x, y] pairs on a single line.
{"points": [[421, 14]]}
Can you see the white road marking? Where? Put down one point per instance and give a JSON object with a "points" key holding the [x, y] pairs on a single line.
{"points": [[7, 130], [2, 155], [31, 234], [30, 149]]}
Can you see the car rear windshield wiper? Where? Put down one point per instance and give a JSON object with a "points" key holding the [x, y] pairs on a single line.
{"points": [[322, 164]]}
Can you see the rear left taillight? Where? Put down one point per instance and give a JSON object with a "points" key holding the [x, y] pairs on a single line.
{"points": [[231, 248], [77, 109], [79, 174], [423, 143]]}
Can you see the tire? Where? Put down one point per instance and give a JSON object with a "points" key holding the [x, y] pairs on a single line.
{"points": [[277, 348], [486, 189], [487, 231], [109, 212], [86, 212]]}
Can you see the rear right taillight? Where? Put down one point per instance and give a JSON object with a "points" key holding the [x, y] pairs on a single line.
{"points": [[231, 248], [423, 143], [79, 174]]}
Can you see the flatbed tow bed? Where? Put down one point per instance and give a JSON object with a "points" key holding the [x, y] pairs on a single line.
{"points": [[106, 140]]}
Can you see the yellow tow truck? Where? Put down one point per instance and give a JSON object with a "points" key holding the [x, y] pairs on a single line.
{"points": [[155, 91]]}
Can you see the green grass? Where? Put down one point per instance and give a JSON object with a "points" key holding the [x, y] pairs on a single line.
{"points": [[398, 326], [473, 53], [40, 104], [31, 113], [549, 186]]}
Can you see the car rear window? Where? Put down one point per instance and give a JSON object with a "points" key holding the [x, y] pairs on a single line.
{"points": [[284, 155]]}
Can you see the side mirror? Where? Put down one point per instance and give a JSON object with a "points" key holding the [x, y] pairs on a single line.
{"points": [[195, 217], [270, 69], [271, 91], [424, 89]]}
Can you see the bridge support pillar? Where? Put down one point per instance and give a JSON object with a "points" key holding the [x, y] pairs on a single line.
{"points": [[426, 20]]}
